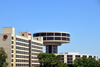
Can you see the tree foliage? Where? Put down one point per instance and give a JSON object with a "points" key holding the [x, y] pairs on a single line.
{"points": [[50, 60], [86, 62], [3, 57]]}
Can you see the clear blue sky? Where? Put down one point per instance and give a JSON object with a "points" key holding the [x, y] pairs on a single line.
{"points": [[81, 18]]}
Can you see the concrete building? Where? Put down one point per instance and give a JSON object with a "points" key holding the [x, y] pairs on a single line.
{"points": [[22, 49], [70, 57], [53, 39]]}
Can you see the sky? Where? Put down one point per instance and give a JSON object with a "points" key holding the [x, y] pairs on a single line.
{"points": [[80, 18]]}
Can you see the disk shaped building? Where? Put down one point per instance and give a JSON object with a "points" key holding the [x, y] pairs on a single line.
{"points": [[53, 39]]}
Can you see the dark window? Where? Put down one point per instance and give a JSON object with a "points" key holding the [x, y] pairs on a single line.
{"points": [[57, 34], [62, 58], [68, 35], [69, 55], [50, 48], [34, 35], [49, 34], [12, 42], [61, 55], [63, 34], [12, 46], [37, 38], [69, 61], [49, 38], [12, 38], [69, 58], [37, 34], [11, 60], [77, 56], [57, 38], [90, 56], [43, 34], [12, 51], [63, 38], [44, 38], [12, 55], [94, 56], [22, 34], [68, 39], [11, 64]]}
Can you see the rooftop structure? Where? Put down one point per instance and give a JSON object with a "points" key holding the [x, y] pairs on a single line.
{"points": [[53, 39]]}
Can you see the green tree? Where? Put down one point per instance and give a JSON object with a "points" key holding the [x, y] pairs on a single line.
{"points": [[86, 62], [3, 57], [50, 60]]}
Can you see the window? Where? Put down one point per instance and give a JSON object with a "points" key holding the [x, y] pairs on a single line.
{"points": [[49, 38], [37, 38], [90, 56], [57, 34], [12, 51], [12, 38], [12, 55], [77, 56], [69, 56], [44, 38], [68, 35], [11, 60], [22, 34], [43, 34], [11, 64], [57, 38], [63, 38], [12, 42], [68, 39], [63, 34], [49, 34], [37, 34], [12, 46]]}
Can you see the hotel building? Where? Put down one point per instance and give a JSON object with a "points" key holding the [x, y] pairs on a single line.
{"points": [[22, 49]]}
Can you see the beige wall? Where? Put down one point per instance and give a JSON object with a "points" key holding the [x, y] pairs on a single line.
{"points": [[6, 44]]}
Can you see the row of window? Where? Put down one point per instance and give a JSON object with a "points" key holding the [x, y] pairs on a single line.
{"points": [[22, 52], [21, 60], [22, 48], [36, 50], [36, 47], [34, 57], [35, 64], [51, 34], [20, 56], [37, 43], [18, 39], [22, 44], [22, 64], [77, 56], [35, 61], [34, 53], [56, 38]]}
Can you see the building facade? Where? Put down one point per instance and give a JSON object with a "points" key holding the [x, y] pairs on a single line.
{"points": [[70, 57], [22, 49]]}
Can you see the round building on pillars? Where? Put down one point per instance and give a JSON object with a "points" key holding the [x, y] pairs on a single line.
{"points": [[53, 39]]}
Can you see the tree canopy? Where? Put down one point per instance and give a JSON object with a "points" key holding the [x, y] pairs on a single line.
{"points": [[50, 60], [86, 62], [3, 57]]}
